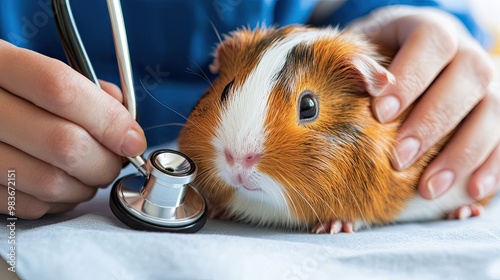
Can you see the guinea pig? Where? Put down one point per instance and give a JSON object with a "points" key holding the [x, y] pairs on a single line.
{"points": [[285, 136]]}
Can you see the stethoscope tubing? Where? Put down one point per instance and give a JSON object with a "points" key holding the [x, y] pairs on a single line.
{"points": [[79, 60], [71, 41]]}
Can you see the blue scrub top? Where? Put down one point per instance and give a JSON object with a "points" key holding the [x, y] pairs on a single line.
{"points": [[171, 42]]}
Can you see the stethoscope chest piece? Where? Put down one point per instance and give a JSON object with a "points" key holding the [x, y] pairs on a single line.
{"points": [[163, 201]]}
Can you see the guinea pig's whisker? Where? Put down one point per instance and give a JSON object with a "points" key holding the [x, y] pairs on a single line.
{"points": [[215, 182], [216, 31], [163, 125], [329, 167], [305, 200], [310, 206], [168, 107], [163, 104], [355, 201], [325, 165], [202, 173], [202, 75], [321, 197], [325, 202], [287, 182], [286, 195], [208, 184], [261, 201]]}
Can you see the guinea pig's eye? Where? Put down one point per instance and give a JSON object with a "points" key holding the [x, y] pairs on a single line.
{"points": [[308, 106], [226, 90]]}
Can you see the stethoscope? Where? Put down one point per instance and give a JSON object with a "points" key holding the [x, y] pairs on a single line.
{"points": [[160, 198]]}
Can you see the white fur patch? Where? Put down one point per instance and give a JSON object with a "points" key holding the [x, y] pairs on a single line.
{"points": [[242, 130], [420, 209], [267, 207]]}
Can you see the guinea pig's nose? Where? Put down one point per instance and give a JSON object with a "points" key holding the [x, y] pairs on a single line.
{"points": [[251, 160], [248, 160]]}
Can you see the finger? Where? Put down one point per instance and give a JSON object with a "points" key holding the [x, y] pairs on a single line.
{"points": [[469, 148], [112, 90], [60, 90], [61, 208], [27, 206], [56, 141], [41, 180], [485, 180], [421, 57], [125, 162], [442, 108]]}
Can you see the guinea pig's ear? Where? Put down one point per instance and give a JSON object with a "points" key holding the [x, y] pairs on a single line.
{"points": [[375, 76], [215, 65], [226, 48]]}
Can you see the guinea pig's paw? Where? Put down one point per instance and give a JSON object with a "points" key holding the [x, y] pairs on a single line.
{"points": [[466, 211], [219, 213], [333, 227]]}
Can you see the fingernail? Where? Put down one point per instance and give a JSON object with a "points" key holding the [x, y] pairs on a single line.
{"points": [[133, 143], [440, 183], [405, 152], [386, 108], [486, 186]]}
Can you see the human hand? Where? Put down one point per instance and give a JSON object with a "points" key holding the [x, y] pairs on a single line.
{"points": [[61, 134], [451, 79]]}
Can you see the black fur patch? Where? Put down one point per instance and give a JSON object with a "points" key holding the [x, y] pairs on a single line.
{"points": [[300, 57]]}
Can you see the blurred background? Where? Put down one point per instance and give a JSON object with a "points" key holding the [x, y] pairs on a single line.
{"points": [[488, 11]]}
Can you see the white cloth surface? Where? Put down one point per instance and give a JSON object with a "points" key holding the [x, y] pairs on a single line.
{"points": [[90, 243]]}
